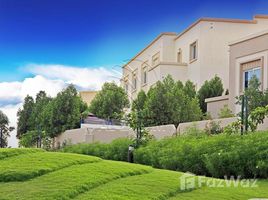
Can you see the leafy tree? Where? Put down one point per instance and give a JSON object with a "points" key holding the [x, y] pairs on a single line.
{"points": [[5, 129], [63, 112], [189, 89], [212, 88], [171, 102], [109, 102], [138, 113], [24, 116], [41, 102]]}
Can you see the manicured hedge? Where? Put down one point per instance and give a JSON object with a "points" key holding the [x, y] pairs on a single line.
{"points": [[217, 156], [116, 150]]}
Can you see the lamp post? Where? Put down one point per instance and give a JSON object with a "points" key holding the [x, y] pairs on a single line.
{"points": [[244, 114]]}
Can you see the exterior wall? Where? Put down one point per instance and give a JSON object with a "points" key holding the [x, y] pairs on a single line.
{"points": [[163, 45], [87, 96], [212, 37], [178, 71], [245, 51], [96, 133], [106, 134], [201, 125], [215, 104], [214, 49], [73, 136], [160, 132], [183, 43]]}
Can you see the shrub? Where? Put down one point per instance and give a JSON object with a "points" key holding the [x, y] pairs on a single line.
{"points": [[216, 155], [213, 127], [225, 112], [193, 131], [116, 150], [211, 88]]}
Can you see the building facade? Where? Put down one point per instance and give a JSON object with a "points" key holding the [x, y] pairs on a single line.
{"points": [[248, 57], [197, 54], [87, 96]]}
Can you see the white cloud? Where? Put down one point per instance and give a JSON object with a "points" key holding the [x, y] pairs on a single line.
{"points": [[86, 78], [13, 93], [52, 79], [11, 112]]}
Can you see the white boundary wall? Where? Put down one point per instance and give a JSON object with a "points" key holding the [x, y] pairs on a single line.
{"points": [[107, 133]]}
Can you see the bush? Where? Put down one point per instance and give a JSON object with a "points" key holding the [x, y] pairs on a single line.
{"points": [[211, 88], [116, 150], [216, 155], [213, 127], [225, 112]]}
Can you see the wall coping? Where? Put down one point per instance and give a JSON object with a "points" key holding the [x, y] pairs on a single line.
{"points": [[249, 37], [219, 98]]}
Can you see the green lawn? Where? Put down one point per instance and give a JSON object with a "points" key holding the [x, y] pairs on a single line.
{"points": [[72, 176], [6, 153]]}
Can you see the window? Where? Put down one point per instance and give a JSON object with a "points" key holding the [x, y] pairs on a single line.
{"points": [[193, 51], [156, 59], [126, 87], [179, 56], [144, 75], [248, 74], [248, 70], [134, 82]]}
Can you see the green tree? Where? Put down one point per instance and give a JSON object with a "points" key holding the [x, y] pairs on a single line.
{"points": [[25, 122], [109, 102], [211, 88], [189, 89], [256, 97], [137, 117], [171, 102], [41, 102], [5, 129], [63, 112]]}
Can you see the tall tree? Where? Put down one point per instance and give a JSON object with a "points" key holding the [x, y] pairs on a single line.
{"points": [[109, 102], [41, 102], [137, 117], [63, 112], [211, 88], [171, 102], [25, 122], [5, 129]]}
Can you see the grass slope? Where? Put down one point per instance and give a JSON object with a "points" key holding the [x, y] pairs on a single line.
{"points": [[81, 177], [17, 168], [6, 153]]}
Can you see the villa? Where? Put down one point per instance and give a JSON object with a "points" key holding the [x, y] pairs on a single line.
{"points": [[232, 49]]}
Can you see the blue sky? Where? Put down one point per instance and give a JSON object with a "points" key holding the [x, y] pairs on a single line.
{"points": [[86, 33]]}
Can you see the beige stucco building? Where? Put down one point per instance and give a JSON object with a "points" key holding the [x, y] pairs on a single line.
{"points": [[198, 53], [248, 57], [87, 96]]}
